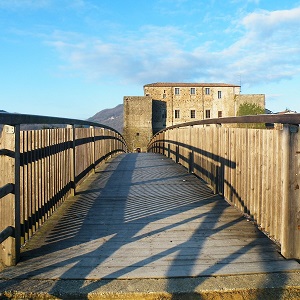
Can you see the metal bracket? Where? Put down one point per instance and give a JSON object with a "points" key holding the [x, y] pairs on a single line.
{"points": [[9, 129]]}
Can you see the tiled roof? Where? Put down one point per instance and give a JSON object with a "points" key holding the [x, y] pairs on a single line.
{"points": [[190, 84]]}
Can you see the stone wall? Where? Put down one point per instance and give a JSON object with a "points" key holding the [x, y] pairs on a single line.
{"points": [[137, 122], [258, 99], [194, 102]]}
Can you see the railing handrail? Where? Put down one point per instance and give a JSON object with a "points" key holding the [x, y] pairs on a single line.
{"points": [[289, 118], [22, 119]]}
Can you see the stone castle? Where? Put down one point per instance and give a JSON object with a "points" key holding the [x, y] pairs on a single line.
{"points": [[167, 104]]}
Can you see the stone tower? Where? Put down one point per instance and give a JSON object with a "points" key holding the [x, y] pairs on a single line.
{"points": [[137, 122]]}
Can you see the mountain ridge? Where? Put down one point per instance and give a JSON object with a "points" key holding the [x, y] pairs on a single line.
{"points": [[112, 117]]}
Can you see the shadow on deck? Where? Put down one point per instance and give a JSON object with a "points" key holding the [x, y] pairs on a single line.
{"points": [[144, 219]]}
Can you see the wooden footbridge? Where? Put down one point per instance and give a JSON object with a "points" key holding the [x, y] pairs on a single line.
{"points": [[209, 211]]}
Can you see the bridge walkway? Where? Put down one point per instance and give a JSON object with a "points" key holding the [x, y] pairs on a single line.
{"points": [[143, 217]]}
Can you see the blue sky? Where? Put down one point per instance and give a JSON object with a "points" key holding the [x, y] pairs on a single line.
{"points": [[75, 58]]}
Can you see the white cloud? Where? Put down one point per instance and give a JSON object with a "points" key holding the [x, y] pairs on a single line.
{"points": [[267, 50], [131, 58], [266, 23]]}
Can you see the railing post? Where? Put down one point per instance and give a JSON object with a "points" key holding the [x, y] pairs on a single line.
{"points": [[17, 195], [160, 144], [115, 143], [92, 128], [73, 159], [191, 161], [10, 204], [191, 151], [109, 144], [290, 245], [176, 136]]}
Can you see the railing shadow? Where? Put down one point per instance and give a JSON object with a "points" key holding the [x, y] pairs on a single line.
{"points": [[214, 174], [141, 199], [217, 181]]}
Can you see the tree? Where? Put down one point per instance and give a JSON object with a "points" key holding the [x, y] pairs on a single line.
{"points": [[246, 109]]}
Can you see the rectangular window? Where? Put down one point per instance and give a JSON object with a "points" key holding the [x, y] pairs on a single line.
{"points": [[193, 91], [207, 91], [219, 94], [164, 96], [219, 114], [177, 113], [193, 114], [176, 91], [207, 114]]}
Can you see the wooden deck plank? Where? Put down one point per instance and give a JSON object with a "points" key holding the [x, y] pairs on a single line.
{"points": [[144, 216], [75, 270]]}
